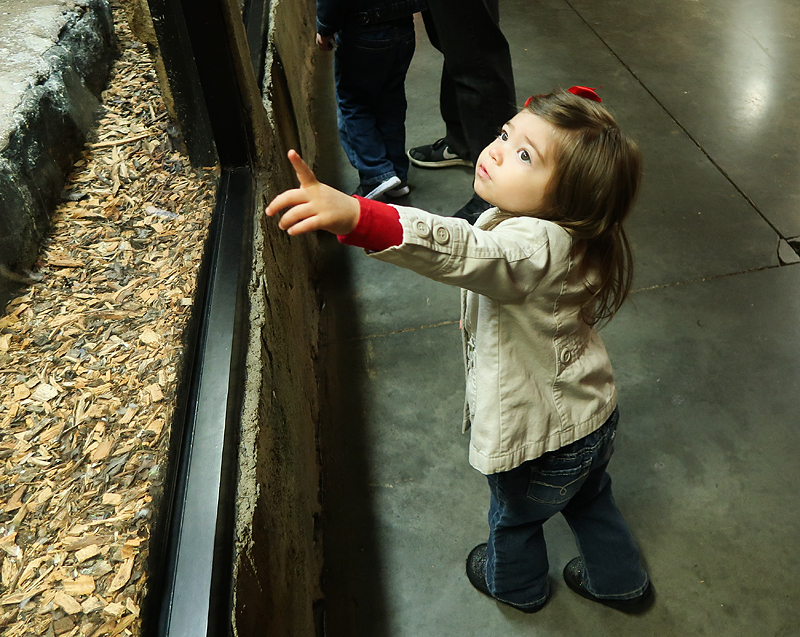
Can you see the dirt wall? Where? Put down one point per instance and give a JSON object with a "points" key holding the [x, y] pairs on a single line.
{"points": [[279, 547]]}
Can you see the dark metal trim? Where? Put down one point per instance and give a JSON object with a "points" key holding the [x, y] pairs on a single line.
{"points": [[192, 547], [196, 598], [256, 20], [187, 92], [214, 56]]}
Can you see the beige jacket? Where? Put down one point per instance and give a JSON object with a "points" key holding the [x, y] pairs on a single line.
{"points": [[538, 377]]}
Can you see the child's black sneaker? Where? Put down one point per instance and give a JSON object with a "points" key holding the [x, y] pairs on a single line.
{"points": [[476, 573], [436, 155], [373, 191], [573, 576]]}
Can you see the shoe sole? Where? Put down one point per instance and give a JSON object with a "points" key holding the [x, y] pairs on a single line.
{"points": [[398, 192], [444, 163], [384, 186]]}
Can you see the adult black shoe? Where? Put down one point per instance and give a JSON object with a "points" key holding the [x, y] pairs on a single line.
{"points": [[436, 155], [476, 573], [473, 209], [573, 576]]}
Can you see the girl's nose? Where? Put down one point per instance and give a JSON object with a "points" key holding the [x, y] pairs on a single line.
{"points": [[495, 154]]}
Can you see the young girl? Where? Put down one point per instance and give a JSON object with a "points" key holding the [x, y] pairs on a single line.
{"points": [[538, 271]]}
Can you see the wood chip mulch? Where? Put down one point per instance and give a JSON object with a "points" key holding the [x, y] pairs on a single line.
{"points": [[89, 359]]}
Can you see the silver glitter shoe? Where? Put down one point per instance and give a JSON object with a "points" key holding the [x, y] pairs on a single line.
{"points": [[476, 573], [573, 576]]}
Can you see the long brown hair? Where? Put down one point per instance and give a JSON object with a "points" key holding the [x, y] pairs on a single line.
{"points": [[592, 190]]}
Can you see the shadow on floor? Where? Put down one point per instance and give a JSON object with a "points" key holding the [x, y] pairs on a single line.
{"points": [[352, 576]]}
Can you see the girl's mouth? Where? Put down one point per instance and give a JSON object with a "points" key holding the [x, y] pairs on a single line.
{"points": [[482, 172]]}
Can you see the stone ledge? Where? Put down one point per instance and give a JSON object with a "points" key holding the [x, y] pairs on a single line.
{"points": [[54, 61]]}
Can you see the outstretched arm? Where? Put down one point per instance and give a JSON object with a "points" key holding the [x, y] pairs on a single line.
{"points": [[313, 206]]}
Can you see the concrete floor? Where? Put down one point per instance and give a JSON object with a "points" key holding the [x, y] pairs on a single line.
{"points": [[706, 355]]}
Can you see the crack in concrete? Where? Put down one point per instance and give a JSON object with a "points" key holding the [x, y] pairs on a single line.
{"points": [[678, 123], [711, 278], [659, 286]]}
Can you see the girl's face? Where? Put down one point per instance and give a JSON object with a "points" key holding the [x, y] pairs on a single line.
{"points": [[514, 170]]}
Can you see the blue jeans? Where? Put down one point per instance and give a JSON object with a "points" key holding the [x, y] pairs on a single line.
{"points": [[370, 71], [572, 481]]}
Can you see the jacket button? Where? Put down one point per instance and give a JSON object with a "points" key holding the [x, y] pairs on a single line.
{"points": [[441, 235], [422, 229], [566, 356]]}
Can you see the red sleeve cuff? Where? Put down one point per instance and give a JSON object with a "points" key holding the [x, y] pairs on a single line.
{"points": [[378, 227]]}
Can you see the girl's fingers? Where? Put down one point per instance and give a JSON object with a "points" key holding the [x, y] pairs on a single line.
{"points": [[312, 206], [295, 215], [286, 199], [296, 196], [306, 225], [304, 174]]}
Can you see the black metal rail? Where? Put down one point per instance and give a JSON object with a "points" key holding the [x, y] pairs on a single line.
{"points": [[192, 546], [195, 598]]}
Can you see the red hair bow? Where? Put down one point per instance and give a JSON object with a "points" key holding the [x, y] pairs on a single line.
{"points": [[585, 91], [580, 91]]}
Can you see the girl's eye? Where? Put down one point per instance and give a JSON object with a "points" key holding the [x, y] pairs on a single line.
{"points": [[504, 136], [524, 155]]}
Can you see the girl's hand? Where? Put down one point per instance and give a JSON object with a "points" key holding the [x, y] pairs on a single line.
{"points": [[325, 42], [314, 206]]}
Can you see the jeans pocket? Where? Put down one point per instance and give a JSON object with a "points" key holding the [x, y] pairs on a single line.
{"points": [[557, 482]]}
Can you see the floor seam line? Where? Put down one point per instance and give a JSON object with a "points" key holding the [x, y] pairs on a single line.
{"points": [[719, 168], [713, 277]]}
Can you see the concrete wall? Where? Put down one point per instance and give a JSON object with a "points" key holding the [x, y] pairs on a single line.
{"points": [[279, 544], [292, 62]]}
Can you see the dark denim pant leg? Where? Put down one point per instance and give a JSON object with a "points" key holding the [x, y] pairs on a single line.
{"points": [[612, 564], [370, 69], [390, 115], [516, 555], [573, 481], [477, 87]]}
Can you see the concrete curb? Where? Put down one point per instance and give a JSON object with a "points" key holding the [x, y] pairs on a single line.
{"points": [[42, 135]]}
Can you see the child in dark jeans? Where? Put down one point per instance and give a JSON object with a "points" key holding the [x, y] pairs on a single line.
{"points": [[375, 44]]}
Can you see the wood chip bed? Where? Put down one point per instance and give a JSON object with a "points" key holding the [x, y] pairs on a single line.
{"points": [[89, 359]]}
